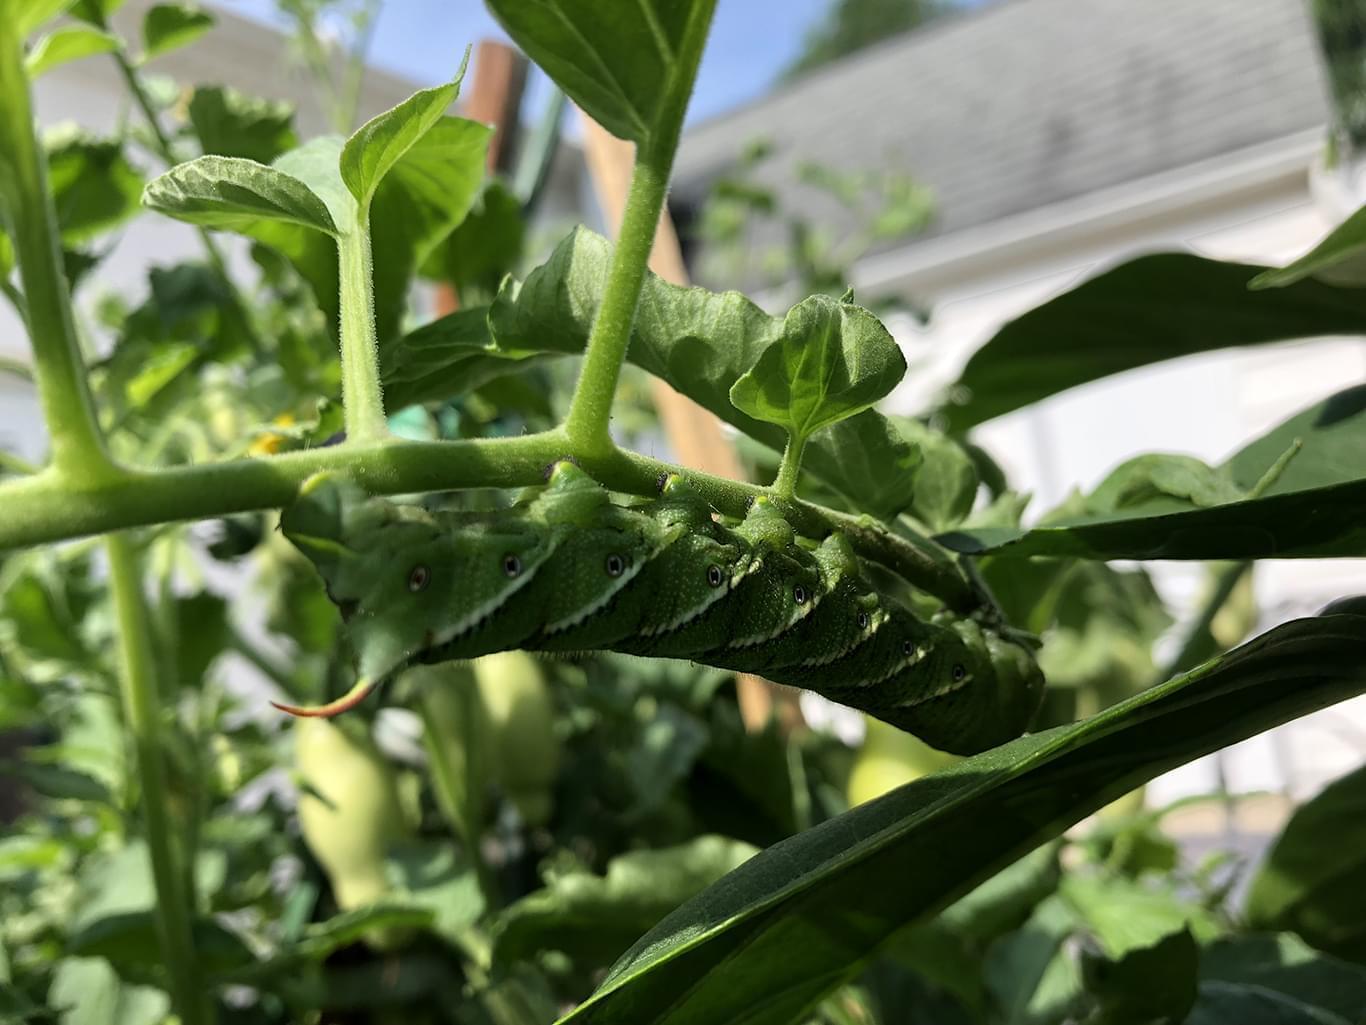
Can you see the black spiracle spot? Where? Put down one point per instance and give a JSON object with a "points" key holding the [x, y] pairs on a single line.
{"points": [[615, 565], [714, 576], [907, 648], [418, 578], [959, 671], [799, 594], [512, 566], [863, 620]]}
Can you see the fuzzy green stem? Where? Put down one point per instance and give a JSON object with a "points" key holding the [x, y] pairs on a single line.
{"points": [[78, 446], [141, 710], [591, 409], [362, 397], [785, 484]]}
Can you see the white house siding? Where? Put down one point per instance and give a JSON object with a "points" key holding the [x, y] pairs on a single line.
{"points": [[1207, 406]]}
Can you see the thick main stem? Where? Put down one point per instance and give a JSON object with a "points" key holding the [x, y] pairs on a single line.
{"points": [[141, 712], [362, 397], [44, 508], [78, 446], [591, 409]]}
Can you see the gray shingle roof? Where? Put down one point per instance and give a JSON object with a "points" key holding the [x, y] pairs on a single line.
{"points": [[1031, 102]]}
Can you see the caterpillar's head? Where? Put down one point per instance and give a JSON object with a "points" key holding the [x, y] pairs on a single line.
{"points": [[992, 688], [406, 580]]}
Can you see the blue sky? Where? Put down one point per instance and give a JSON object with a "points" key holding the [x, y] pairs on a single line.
{"points": [[751, 41]]}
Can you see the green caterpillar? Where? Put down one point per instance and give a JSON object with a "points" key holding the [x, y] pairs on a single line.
{"points": [[570, 570]]}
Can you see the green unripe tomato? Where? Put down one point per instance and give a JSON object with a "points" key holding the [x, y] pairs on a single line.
{"points": [[891, 758], [350, 825], [524, 750]]}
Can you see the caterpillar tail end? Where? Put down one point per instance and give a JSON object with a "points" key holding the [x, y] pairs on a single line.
{"points": [[345, 703]]}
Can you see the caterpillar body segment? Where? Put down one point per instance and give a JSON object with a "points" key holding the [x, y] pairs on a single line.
{"points": [[568, 569]]}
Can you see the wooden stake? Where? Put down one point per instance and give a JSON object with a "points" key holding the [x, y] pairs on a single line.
{"points": [[694, 433], [494, 98]]}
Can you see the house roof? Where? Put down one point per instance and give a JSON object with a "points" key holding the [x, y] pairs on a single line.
{"points": [[1032, 102]]}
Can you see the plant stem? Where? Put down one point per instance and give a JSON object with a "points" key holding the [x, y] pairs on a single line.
{"points": [[44, 508], [141, 712], [785, 485], [591, 408], [78, 446], [1196, 635], [362, 397], [1228, 577]]}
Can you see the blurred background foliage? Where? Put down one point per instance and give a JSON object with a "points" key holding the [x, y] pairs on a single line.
{"points": [[482, 848]]}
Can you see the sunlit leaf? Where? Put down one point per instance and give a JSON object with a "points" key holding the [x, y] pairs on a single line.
{"points": [[65, 44], [167, 27], [795, 921]]}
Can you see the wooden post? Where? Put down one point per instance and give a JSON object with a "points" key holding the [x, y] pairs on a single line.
{"points": [[494, 98], [496, 95], [694, 433]]}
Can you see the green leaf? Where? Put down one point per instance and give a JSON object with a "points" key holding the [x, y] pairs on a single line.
{"points": [[1333, 446], [1157, 477], [795, 921], [946, 481], [29, 14], [94, 187], [1030, 973], [59, 782], [380, 143], [167, 27], [485, 247], [1151, 983], [423, 197], [1005, 900], [1145, 311], [1311, 510], [129, 941], [65, 44], [1219, 1003], [321, 938], [236, 195], [202, 632], [1283, 964], [700, 342], [617, 61], [594, 918], [88, 992], [450, 356], [1124, 915], [1340, 259], [232, 124], [833, 360], [1313, 881], [97, 12]]}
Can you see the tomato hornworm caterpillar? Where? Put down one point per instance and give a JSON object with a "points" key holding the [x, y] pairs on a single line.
{"points": [[570, 570]]}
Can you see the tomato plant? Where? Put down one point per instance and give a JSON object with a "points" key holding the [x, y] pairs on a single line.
{"points": [[601, 838]]}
